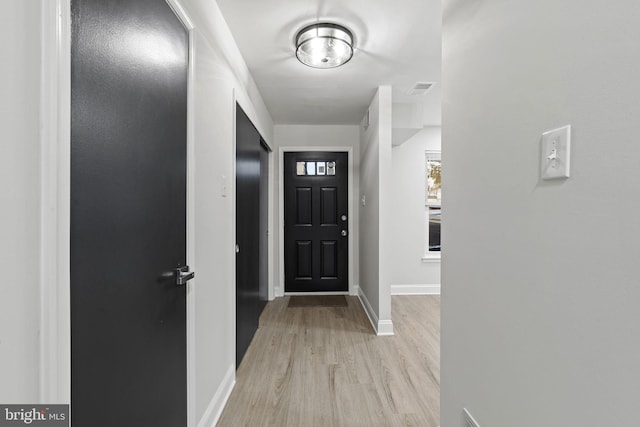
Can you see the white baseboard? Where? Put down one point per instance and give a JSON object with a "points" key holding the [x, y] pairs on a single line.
{"points": [[306, 294], [354, 291], [415, 289], [382, 327], [214, 410], [385, 328]]}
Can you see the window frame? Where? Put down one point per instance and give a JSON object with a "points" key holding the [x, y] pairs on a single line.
{"points": [[430, 256]]}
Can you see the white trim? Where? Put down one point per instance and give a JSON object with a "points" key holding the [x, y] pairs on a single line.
{"points": [[219, 400], [279, 290], [183, 16], [232, 185], [385, 328], [55, 109], [191, 288], [469, 420], [432, 257], [415, 289], [381, 327], [55, 140], [293, 294], [270, 234], [355, 291]]}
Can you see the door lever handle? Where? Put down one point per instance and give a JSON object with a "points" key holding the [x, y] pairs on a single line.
{"points": [[183, 275]]}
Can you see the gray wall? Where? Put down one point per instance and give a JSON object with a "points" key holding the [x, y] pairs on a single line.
{"points": [[20, 201], [376, 187], [408, 225], [540, 295]]}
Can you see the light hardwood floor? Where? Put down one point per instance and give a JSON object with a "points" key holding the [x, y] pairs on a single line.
{"points": [[325, 367]]}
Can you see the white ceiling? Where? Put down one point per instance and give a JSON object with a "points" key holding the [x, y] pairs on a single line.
{"points": [[398, 43]]}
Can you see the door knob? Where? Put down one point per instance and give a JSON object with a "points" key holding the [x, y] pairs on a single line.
{"points": [[344, 233], [183, 275]]}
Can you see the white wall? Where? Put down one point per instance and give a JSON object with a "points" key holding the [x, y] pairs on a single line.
{"points": [[20, 201], [408, 227], [220, 72], [376, 188], [541, 303], [310, 136]]}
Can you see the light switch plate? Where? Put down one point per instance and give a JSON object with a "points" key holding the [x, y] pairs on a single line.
{"points": [[556, 153], [224, 186]]}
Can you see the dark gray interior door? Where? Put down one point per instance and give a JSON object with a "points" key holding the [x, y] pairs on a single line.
{"points": [[316, 233], [128, 214], [251, 231]]}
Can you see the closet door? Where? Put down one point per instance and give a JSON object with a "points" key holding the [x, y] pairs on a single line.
{"points": [[251, 218]]}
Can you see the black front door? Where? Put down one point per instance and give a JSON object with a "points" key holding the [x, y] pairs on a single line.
{"points": [[316, 221], [128, 214]]}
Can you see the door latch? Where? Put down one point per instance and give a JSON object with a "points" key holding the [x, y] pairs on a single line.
{"points": [[183, 275]]}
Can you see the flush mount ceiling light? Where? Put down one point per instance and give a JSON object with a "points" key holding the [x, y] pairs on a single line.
{"points": [[324, 45]]}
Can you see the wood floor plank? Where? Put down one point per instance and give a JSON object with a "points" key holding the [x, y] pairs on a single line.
{"points": [[324, 366]]}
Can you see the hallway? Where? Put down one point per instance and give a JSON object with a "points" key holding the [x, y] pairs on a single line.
{"points": [[323, 366]]}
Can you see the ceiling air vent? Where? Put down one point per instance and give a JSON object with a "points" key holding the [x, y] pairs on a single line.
{"points": [[420, 88], [468, 419]]}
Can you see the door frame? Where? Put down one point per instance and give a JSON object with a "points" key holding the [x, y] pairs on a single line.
{"points": [[353, 288], [55, 197]]}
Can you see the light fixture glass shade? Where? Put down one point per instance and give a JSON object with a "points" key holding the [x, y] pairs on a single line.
{"points": [[324, 45]]}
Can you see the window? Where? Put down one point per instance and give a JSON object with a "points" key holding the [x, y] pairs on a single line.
{"points": [[432, 205], [315, 168]]}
